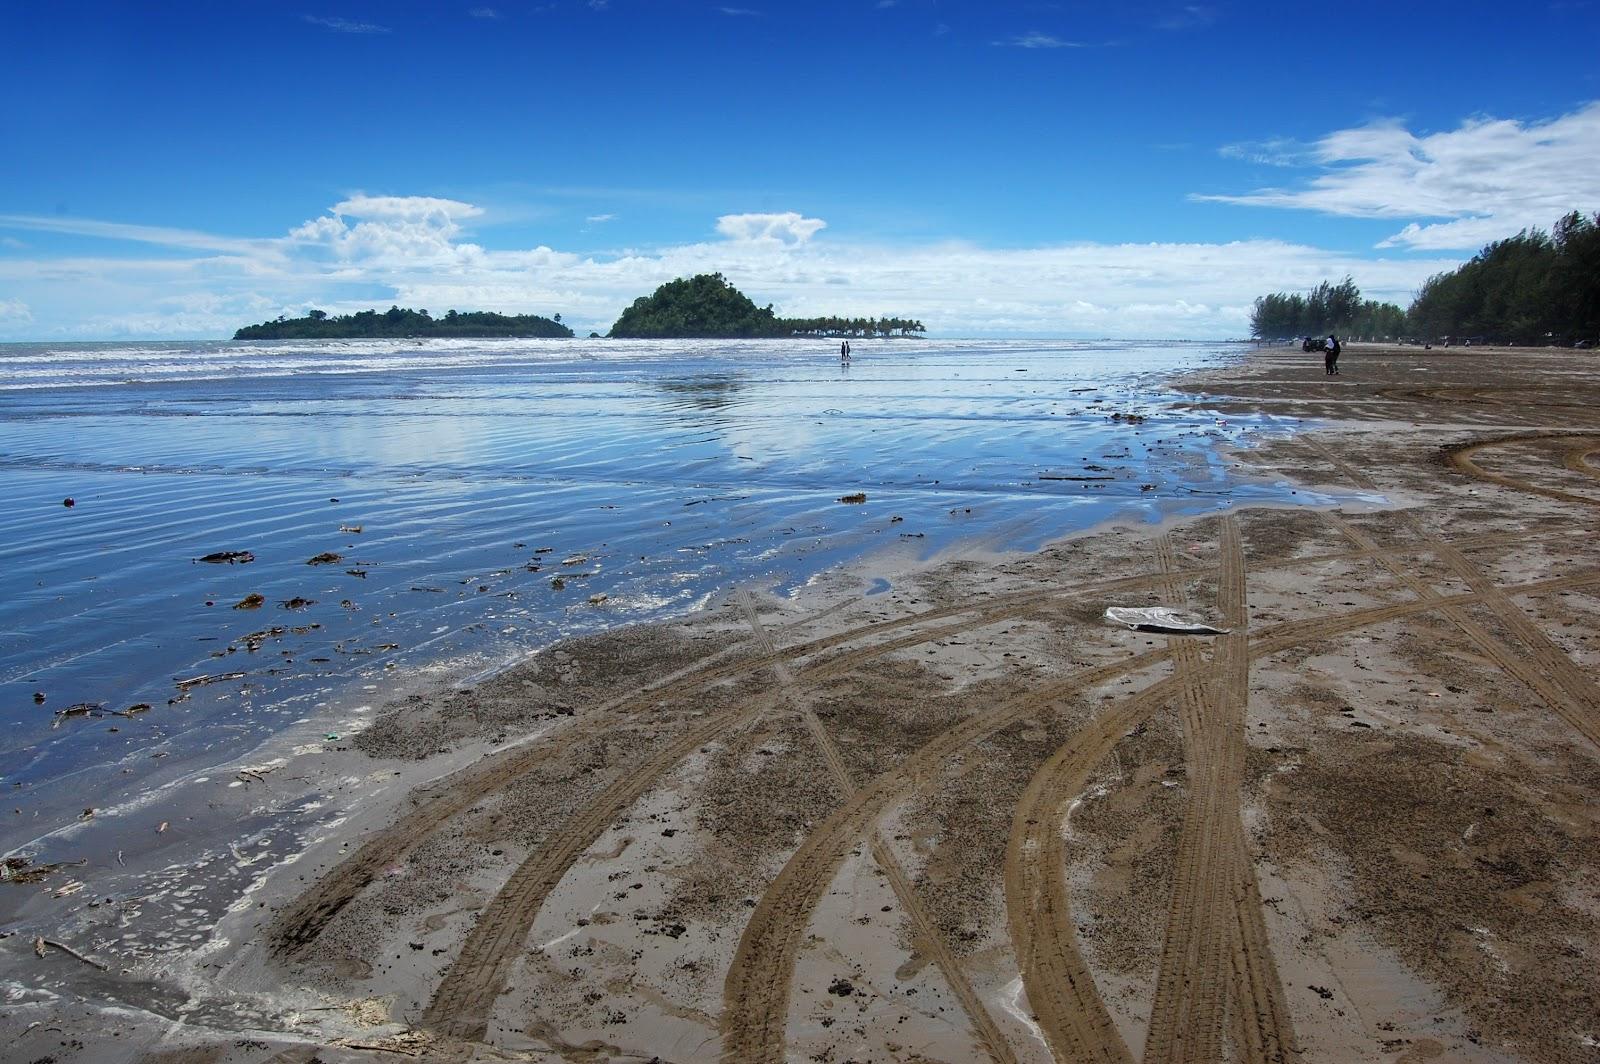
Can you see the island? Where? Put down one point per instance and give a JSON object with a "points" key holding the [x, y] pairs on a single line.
{"points": [[707, 306], [403, 322]]}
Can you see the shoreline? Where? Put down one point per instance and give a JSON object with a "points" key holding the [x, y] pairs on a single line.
{"points": [[864, 699]]}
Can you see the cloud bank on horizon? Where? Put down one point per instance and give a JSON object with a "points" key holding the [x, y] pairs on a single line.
{"points": [[1454, 190]]}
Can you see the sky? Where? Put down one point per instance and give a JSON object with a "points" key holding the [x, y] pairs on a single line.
{"points": [[999, 168]]}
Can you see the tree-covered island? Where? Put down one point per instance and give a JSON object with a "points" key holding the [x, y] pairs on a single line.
{"points": [[403, 322], [706, 306]]}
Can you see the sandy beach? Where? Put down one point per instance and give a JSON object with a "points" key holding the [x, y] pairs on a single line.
{"points": [[967, 819]]}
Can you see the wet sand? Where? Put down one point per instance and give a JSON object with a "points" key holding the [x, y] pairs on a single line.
{"points": [[966, 819]]}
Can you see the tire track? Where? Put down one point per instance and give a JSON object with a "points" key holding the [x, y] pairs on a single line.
{"points": [[1217, 961], [1060, 987], [1460, 459], [1559, 681], [757, 985], [298, 926], [756, 991], [927, 934], [1581, 460], [1165, 1038], [465, 998]]}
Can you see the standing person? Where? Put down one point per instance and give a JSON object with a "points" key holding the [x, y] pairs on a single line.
{"points": [[1330, 355], [844, 351]]}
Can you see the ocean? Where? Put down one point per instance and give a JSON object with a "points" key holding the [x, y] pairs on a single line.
{"points": [[426, 512]]}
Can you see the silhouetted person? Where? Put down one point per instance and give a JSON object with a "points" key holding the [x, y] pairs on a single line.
{"points": [[1330, 355], [844, 351]]}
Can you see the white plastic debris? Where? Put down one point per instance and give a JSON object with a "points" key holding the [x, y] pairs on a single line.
{"points": [[1160, 619]]}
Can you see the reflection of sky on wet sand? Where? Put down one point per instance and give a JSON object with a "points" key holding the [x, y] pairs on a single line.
{"points": [[671, 474]]}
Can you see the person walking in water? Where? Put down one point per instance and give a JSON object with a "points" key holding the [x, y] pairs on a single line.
{"points": [[1330, 355], [844, 351]]}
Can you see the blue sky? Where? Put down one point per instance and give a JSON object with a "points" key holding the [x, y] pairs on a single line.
{"points": [[1073, 169]]}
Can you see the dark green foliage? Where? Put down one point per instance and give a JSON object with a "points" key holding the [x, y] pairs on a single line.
{"points": [[707, 306], [316, 325], [1533, 288], [1327, 308]]}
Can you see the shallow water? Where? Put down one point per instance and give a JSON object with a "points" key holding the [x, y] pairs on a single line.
{"points": [[653, 473]]}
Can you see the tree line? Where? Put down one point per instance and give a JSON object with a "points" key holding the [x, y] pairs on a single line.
{"points": [[1533, 288], [1327, 308], [402, 322]]}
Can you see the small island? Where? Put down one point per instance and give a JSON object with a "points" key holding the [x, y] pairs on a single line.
{"points": [[403, 322], [706, 306]]}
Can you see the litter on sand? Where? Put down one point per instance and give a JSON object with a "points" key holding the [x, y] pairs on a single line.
{"points": [[1160, 619]]}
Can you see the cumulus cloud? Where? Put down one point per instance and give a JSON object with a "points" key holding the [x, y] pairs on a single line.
{"points": [[790, 227], [1484, 180], [372, 251], [14, 312]]}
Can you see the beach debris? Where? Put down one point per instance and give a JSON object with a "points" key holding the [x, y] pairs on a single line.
{"points": [[331, 737], [1052, 476], [296, 603], [40, 943], [133, 710], [231, 557], [354, 530], [435, 590], [19, 868], [327, 557], [597, 598], [1160, 619], [1132, 419], [69, 502], [202, 680], [253, 601], [576, 559], [87, 814], [333, 500], [82, 709], [557, 584], [912, 535], [362, 573], [38, 698], [855, 498], [543, 550], [896, 519], [161, 827]]}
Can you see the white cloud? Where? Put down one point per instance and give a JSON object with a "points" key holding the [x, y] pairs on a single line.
{"points": [[1486, 179], [789, 227], [373, 251], [1277, 151], [1035, 39], [14, 312], [1188, 17], [597, 218], [344, 25]]}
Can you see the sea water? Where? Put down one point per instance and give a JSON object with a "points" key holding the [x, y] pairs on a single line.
{"points": [[487, 498]]}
